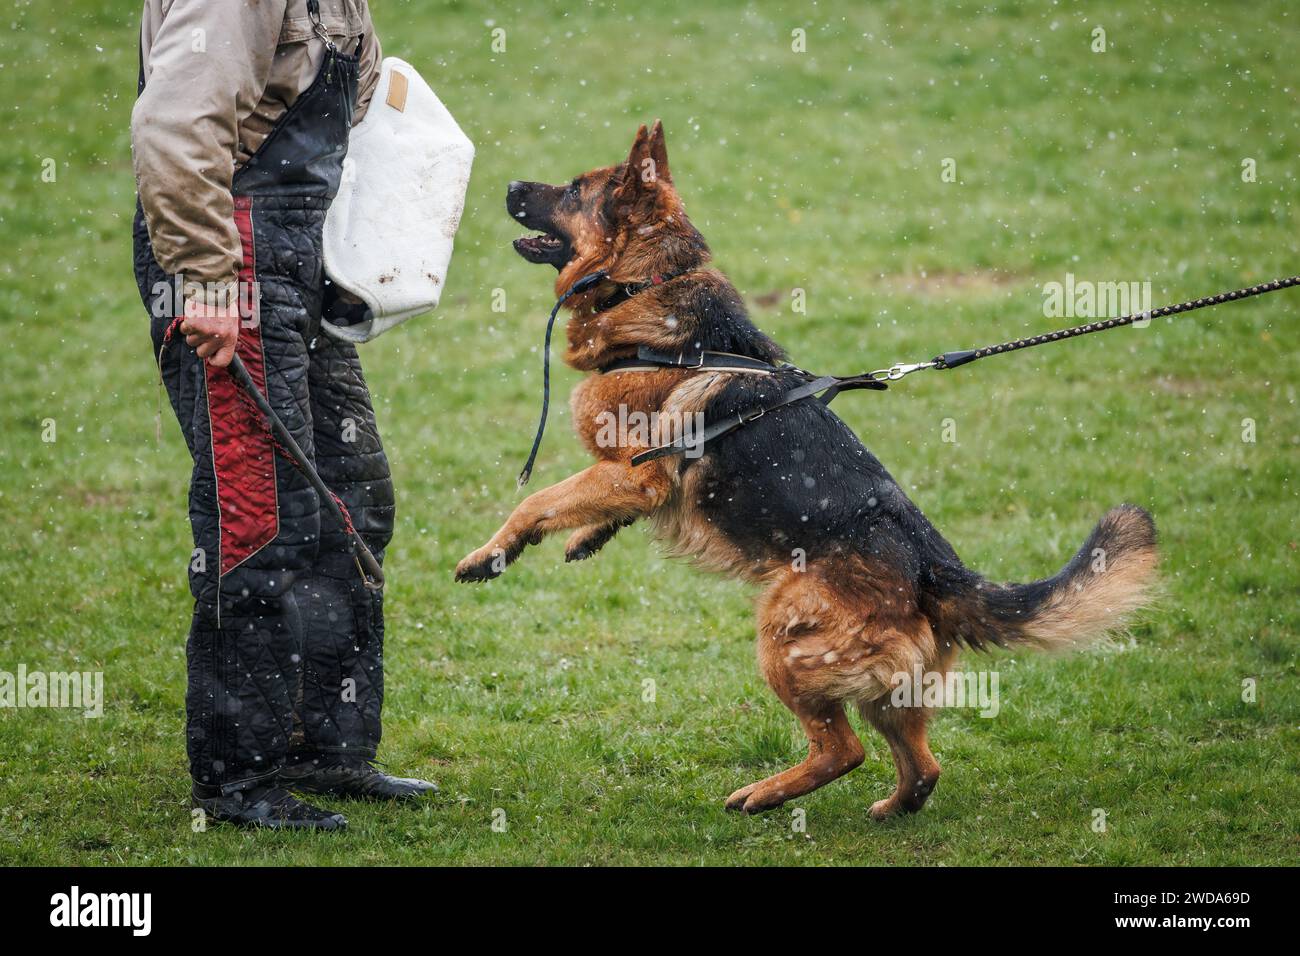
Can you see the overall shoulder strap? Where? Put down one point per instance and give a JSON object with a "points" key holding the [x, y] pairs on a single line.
{"points": [[139, 50]]}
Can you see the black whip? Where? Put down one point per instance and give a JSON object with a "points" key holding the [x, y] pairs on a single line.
{"points": [[372, 575]]}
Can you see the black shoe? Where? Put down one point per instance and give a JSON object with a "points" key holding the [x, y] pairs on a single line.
{"points": [[353, 777], [272, 807]]}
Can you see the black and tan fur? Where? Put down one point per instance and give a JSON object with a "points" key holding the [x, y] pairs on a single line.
{"points": [[879, 589]]}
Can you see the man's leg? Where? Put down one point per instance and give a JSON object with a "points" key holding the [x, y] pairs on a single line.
{"points": [[343, 652], [343, 673], [255, 525]]}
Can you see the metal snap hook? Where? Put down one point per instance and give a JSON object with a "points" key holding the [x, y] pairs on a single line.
{"points": [[897, 371]]}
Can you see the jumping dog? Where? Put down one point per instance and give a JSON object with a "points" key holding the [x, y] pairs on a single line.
{"points": [[857, 586]]}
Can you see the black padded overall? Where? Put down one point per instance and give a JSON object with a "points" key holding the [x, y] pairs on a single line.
{"points": [[285, 650]]}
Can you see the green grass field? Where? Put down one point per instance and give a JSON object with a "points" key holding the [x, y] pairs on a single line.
{"points": [[819, 171]]}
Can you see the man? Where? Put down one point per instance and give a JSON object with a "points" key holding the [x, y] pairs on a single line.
{"points": [[239, 135]]}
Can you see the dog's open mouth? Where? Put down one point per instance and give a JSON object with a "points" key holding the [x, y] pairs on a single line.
{"points": [[545, 249]]}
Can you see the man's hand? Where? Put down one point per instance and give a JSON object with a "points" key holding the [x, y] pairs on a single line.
{"points": [[212, 330]]}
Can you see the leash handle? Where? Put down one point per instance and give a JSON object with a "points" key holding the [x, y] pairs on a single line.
{"points": [[372, 574]]}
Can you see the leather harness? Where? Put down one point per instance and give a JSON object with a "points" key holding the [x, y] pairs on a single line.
{"points": [[705, 360]]}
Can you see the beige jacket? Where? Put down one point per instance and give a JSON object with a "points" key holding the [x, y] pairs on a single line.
{"points": [[218, 75]]}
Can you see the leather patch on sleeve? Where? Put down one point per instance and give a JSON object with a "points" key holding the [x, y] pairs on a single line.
{"points": [[397, 87]]}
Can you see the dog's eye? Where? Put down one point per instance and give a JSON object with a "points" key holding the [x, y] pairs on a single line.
{"points": [[575, 187]]}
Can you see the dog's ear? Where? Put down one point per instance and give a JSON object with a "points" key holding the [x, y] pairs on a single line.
{"points": [[659, 152], [638, 161], [647, 164]]}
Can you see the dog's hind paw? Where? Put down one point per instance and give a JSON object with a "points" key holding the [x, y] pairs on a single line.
{"points": [[884, 809], [909, 800], [757, 797]]}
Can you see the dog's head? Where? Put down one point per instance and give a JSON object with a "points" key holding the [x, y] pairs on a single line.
{"points": [[626, 219]]}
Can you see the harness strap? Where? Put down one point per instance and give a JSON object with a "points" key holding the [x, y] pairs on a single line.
{"points": [[832, 385], [701, 360], [313, 14]]}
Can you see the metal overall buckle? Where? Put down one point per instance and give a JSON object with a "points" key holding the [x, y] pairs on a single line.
{"points": [[313, 13]]}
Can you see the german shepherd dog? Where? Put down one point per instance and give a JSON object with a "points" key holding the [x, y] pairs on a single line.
{"points": [[878, 591]]}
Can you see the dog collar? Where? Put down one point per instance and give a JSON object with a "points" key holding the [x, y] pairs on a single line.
{"points": [[630, 289]]}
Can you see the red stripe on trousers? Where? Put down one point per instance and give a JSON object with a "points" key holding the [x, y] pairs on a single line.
{"points": [[242, 455]]}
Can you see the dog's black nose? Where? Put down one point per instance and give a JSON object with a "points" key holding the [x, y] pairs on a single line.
{"points": [[515, 194]]}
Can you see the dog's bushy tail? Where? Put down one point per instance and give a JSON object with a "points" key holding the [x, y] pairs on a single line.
{"points": [[1112, 576]]}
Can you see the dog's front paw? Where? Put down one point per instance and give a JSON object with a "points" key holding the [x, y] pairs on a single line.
{"points": [[482, 565], [585, 542], [737, 800]]}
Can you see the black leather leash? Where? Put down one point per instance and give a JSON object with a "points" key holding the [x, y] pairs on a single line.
{"points": [[589, 281], [954, 359], [582, 285], [829, 386], [949, 360]]}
